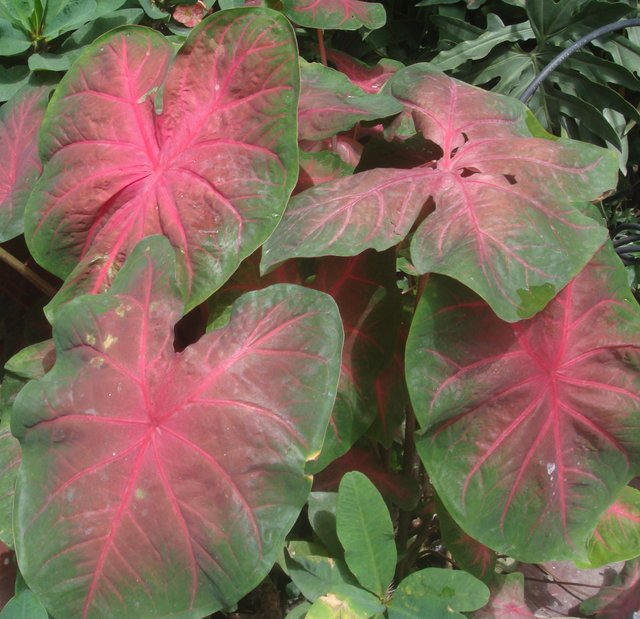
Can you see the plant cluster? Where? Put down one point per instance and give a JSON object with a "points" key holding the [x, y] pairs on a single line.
{"points": [[285, 273]]}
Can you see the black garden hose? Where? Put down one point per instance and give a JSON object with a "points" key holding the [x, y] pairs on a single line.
{"points": [[574, 47], [625, 235]]}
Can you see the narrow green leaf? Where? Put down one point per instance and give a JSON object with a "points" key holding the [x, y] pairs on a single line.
{"points": [[366, 532], [573, 107]]}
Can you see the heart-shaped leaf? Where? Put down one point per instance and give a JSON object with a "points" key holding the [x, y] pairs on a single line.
{"points": [[364, 288], [30, 363], [468, 553], [500, 204], [330, 102], [617, 536], [212, 172], [438, 594], [507, 600], [530, 429], [619, 599], [370, 79], [335, 14], [162, 484], [20, 120]]}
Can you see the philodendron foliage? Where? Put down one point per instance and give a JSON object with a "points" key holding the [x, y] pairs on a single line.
{"points": [[365, 244]]}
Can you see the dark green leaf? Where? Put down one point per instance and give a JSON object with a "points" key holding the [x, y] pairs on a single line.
{"points": [[12, 40], [24, 605], [65, 15], [313, 572], [437, 593]]}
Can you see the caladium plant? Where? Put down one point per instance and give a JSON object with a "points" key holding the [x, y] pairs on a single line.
{"points": [[19, 124], [181, 472], [212, 171], [490, 222], [161, 478], [531, 429]]}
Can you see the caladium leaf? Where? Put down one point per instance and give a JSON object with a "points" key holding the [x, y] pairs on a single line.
{"points": [[346, 147], [617, 536], [330, 102], [505, 221], [507, 600], [9, 463], [212, 172], [403, 491], [31, 363], [364, 287], [335, 14], [468, 553], [20, 120], [530, 429], [391, 395], [619, 599], [321, 167], [370, 79], [156, 483]]}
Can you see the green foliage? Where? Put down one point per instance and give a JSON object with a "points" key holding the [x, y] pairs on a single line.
{"points": [[292, 268], [584, 98]]}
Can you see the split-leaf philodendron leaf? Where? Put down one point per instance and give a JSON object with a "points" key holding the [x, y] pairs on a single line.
{"points": [[212, 171], [531, 429], [500, 205], [162, 484]]}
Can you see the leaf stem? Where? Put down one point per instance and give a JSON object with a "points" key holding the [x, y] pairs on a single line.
{"points": [[408, 468], [321, 48], [27, 273]]}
